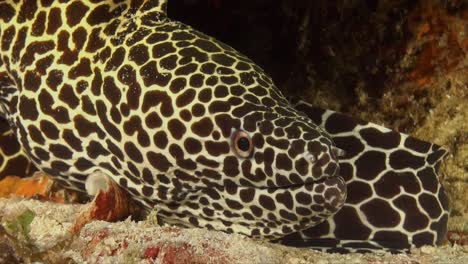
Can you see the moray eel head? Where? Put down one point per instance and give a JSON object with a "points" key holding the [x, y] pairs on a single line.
{"points": [[252, 163]]}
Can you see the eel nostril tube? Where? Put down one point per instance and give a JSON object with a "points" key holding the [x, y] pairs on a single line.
{"points": [[338, 152], [310, 157]]}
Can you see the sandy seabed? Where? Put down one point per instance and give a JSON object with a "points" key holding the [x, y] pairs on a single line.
{"points": [[48, 239]]}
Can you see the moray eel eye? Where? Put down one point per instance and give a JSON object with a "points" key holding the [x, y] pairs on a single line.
{"points": [[242, 144]]}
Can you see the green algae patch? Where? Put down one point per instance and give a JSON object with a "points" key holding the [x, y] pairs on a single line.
{"points": [[21, 225]]}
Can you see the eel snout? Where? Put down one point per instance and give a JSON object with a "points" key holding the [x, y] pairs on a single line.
{"points": [[317, 162]]}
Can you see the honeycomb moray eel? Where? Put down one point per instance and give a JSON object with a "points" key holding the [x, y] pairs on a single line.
{"points": [[189, 126]]}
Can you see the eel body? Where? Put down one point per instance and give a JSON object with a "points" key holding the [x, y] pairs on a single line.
{"points": [[192, 128]]}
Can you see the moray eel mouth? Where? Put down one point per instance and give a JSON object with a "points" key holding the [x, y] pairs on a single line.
{"points": [[269, 212], [309, 183], [327, 194]]}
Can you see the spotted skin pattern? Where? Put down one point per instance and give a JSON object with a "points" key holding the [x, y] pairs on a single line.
{"points": [[13, 161], [118, 88]]}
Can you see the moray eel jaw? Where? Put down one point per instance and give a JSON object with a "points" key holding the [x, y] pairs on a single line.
{"points": [[270, 212]]}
